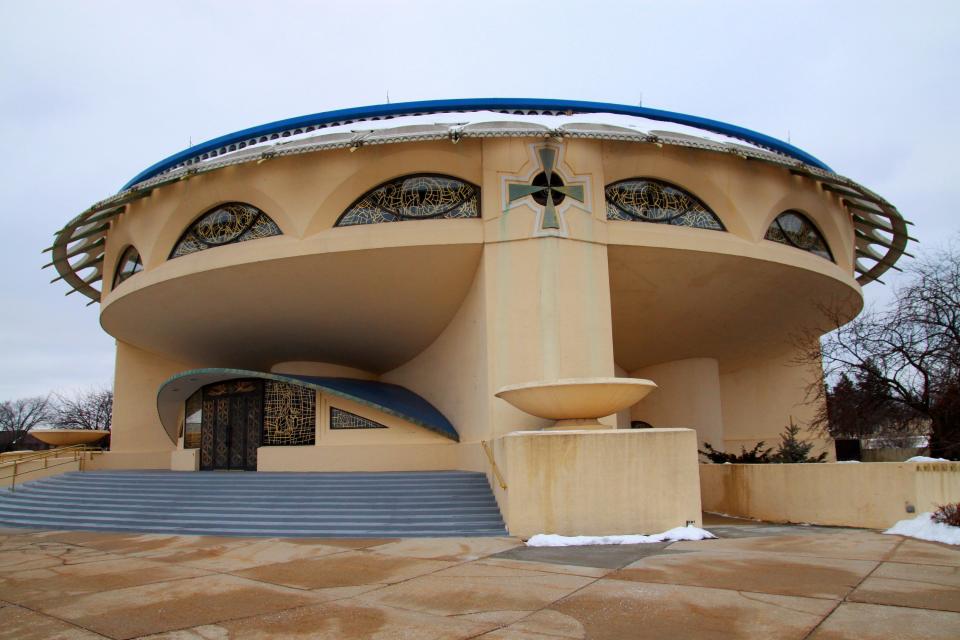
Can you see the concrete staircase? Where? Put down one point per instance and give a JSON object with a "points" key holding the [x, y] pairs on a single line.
{"points": [[349, 505]]}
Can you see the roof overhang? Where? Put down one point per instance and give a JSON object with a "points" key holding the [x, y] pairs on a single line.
{"points": [[78, 248]]}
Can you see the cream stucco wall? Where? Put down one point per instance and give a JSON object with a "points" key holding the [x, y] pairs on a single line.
{"points": [[452, 372], [136, 425], [687, 395], [455, 309], [870, 494], [601, 482], [759, 401]]}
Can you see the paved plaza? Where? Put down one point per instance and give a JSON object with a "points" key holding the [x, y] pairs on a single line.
{"points": [[756, 581]]}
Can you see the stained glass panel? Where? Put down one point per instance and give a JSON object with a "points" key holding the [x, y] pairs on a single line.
{"points": [[226, 224], [340, 419], [794, 229], [289, 414], [647, 200], [128, 265], [416, 197]]}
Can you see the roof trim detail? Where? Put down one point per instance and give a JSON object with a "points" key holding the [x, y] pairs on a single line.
{"points": [[77, 250], [526, 106], [389, 398]]}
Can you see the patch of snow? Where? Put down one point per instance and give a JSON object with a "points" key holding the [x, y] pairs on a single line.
{"points": [[926, 459], [673, 535], [639, 124], [848, 462], [924, 528]]}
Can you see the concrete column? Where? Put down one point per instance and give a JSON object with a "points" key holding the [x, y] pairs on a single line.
{"points": [[136, 424], [548, 302]]}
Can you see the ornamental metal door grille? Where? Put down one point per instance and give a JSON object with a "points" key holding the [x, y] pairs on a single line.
{"points": [[231, 425], [289, 414], [340, 419]]}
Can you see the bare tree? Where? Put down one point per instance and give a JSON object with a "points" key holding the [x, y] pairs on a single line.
{"points": [[860, 408], [17, 417], [905, 358], [92, 409]]}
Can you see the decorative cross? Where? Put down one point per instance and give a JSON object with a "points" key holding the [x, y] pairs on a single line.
{"points": [[546, 189]]}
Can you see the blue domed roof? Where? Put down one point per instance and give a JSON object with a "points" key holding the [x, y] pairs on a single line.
{"points": [[519, 106]]}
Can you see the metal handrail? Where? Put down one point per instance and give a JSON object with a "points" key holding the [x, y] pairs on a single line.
{"points": [[493, 463], [75, 451]]}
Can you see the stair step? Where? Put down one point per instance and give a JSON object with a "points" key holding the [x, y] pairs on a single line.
{"points": [[391, 504]]}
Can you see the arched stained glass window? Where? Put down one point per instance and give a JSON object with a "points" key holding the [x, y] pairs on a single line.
{"points": [[414, 197], [225, 224], [648, 200], [128, 264], [794, 229]]}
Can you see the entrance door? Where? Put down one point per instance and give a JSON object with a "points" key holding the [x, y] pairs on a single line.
{"points": [[231, 425]]}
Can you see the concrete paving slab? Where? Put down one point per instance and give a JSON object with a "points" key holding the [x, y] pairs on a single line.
{"points": [[748, 571], [16, 531], [497, 618], [104, 541], [866, 545], [50, 554], [23, 624], [458, 549], [577, 570], [177, 604], [25, 559], [922, 552], [515, 634], [475, 588], [779, 585], [13, 543], [346, 543], [549, 623], [25, 587], [346, 569], [243, 554], [613, 610], [188, 548], [344, 620], [912, 585], [609, 556], [854, 621], [763, 529]]}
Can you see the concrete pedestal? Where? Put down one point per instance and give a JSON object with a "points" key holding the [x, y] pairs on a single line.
{"points": [[599, 482]]}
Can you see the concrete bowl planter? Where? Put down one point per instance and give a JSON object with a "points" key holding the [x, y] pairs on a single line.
{"points": [[576, 403], [68, 437]]}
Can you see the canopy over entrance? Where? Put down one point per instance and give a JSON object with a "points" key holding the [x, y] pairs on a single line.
{"points": [[389, 398]]}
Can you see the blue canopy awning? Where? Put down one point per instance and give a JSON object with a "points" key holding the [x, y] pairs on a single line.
{"points": [[390, 398]]}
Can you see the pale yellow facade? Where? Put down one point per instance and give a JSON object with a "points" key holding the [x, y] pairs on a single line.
{"points": [[455, 309], [870, 494]]}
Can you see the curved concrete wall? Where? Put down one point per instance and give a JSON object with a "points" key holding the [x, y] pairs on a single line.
{"points": [[455, 309]]}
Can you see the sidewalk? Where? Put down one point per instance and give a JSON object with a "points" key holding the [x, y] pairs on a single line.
{"points": [[757, 581]]}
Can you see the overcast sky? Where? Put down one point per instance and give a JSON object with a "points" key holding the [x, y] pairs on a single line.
{"points": [[93, 92]]}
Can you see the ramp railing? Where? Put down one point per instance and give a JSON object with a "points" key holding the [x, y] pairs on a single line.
{"points": [[37, 461]]}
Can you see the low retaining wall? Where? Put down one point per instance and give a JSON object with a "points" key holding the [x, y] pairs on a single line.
{"points": [[598, 482], [872, 495]]}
